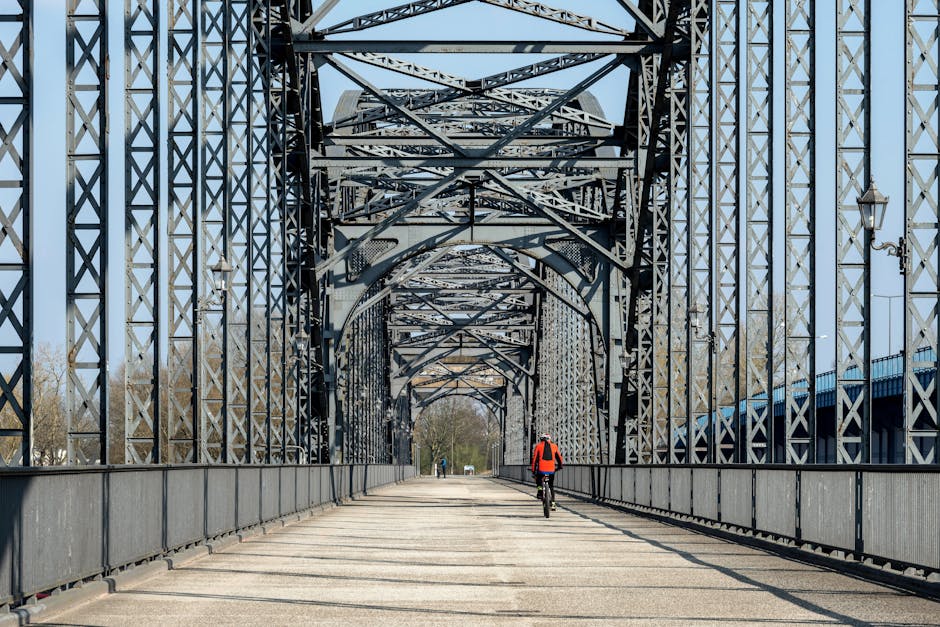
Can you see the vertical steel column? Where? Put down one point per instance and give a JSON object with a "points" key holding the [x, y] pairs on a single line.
{"points": [[800, 282], [639, 436], [86, 242], [853, 249], [727, 234], [640, 439], [700, 363], [183, 186], [16, 278], [239, 195], [259, 400], [661, 321], [759, 332], [213, 231], [142, 231], [293, 258], [277, 371], [922, 234], [678, 254]]}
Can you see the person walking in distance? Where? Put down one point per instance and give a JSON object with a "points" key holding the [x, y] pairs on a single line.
{"points": [[444, 467], [546, 460]]}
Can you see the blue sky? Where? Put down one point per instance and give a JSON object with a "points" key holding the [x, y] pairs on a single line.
{"points": [[475, 21]]}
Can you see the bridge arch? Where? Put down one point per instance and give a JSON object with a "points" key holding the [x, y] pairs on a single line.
{"points": [[544, 287]]}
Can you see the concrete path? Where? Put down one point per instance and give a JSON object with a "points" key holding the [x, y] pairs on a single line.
{"points": [[473, 551]]}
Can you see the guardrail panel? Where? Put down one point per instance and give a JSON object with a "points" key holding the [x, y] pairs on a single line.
{"points": [[615, 484], [705, 493], [303, 488], [10, 499], [135, 531], [643, 487], [775, 501], [900, 517], [185, 506], [288, 479], [249, 496], [736, 497], [62, 534], [220, 500], [681, 490], [628, 485], [659, 480], [827, 508], [270, 493]]}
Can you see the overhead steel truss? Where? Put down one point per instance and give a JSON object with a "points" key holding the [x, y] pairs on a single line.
{"points": [[605, 276]]}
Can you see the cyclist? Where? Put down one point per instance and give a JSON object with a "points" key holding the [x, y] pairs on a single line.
{"points": [[546, 460]]}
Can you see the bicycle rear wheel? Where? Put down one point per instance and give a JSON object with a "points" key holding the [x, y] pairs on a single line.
{"points": [[547, 497]]}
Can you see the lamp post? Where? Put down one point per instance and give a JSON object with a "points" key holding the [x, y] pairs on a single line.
{"points": [[215, 298], [220, 275], [695, 324], [872, 206]]}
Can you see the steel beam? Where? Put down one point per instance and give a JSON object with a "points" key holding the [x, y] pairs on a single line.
{"points": [[799, 356], [184, 185], [853, 249], [239, 102], [304, 44], [259, 298], [727, 232], [142, 154], [700, 363], [214, 205], [16, 270], [86, 241], [759, 225], [922, 234]]}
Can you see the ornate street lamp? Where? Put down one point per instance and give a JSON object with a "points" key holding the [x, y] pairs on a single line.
{"points": [[220, 274], [873, 205], [301, 340]]}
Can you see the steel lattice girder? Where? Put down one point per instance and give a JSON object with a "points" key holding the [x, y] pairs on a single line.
{"points": [[86, 254], [853, 249], [800, 300], [16, 272], [183, 187], [142, 232], [922, 215]]}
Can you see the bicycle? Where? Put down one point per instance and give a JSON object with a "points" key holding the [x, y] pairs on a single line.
{"points": [[547, 496]]}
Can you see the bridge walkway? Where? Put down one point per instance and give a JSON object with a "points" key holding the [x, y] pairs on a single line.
{"points": [[477, 551]]}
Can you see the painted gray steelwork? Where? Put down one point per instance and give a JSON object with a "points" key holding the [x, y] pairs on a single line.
{"points": [[86, 238], [16, 271], [605, 276], [142, 233]]}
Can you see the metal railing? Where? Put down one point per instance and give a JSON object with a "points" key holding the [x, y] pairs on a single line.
{"points": [[63, 525], [875, 514]]}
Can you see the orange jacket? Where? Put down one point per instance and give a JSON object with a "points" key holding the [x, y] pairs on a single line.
{"points": [[544, 457]]}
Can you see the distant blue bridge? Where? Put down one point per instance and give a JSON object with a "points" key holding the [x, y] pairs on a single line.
{"points": [[887, 396]]}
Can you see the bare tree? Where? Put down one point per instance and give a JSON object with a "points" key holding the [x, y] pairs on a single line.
{"points": [[458, 428]]}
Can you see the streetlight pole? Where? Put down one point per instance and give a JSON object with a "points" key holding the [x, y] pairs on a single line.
{"points": [[872, 205]]}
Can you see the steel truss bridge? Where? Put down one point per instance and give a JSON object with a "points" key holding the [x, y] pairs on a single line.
{"points": [[518, 245], [607, 276]]}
